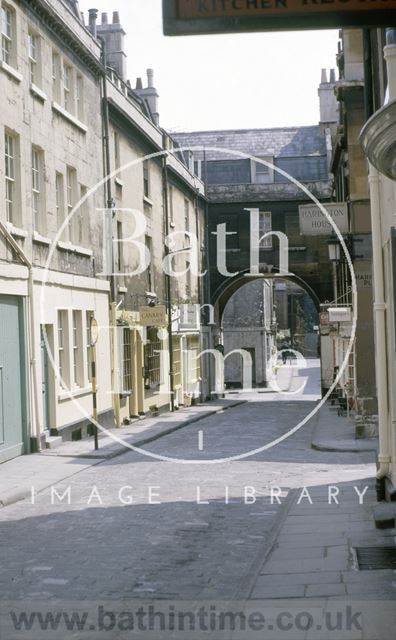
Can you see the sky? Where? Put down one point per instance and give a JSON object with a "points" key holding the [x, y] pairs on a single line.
{"points": [[228, 81]]}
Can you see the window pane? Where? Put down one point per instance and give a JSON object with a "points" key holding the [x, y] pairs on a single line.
{"points": [[126, 360], [265, 226], [152, 361], [62, 350], [80, 97], [6, 30], [89, 315], [9, 162], [32, 47], [67, 88]]}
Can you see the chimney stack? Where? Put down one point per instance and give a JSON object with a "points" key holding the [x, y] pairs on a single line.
{"points": [[114, 38], [328, 103], [149, 95], [93, 16], [323, 79], [150, 78]]}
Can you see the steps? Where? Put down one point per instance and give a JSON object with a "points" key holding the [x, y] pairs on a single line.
{"points": [[385, 515], [52, 442]]}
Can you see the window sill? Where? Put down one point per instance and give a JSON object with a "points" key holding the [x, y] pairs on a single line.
{"points": [[16, 231], [147, 200], [74, 393], [69, 117], [15, 75], [38, 93], [39, 239], [68, 246]]}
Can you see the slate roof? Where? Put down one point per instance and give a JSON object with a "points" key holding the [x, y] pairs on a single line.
{"points": [[278, 142]]}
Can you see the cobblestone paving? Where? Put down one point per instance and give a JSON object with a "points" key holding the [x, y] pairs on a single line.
{"points": [[205, 532]]}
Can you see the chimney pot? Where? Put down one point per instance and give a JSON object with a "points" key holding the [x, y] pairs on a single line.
{"points": [[93, 16], [139, 83], [150, 77], [332, 76], [116, 17], [104, 18], [324, 76]]}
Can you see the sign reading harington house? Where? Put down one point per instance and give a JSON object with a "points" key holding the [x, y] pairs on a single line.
{"points": [[314, 223], [183, 17]]}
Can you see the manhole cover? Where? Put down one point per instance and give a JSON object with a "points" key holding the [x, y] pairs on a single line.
{"points": [[371, 558]]}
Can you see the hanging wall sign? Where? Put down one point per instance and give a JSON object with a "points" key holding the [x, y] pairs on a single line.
{"points": [[188, 17], [314, 223]]}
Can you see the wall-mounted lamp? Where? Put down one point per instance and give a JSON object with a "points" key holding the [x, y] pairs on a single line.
{"points": [[334, 248]]}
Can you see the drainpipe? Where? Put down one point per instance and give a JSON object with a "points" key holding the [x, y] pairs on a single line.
{"points": [[34, 397], [380, 327], [110, 206], [199, 288], [167, 276]]}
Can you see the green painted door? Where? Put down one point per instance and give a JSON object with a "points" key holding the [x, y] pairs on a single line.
{"points": [[12, 378]]}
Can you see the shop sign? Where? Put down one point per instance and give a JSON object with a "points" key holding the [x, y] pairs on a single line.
{"points": [[340, 314], [189, 17], [153, 316], [314, 223]]}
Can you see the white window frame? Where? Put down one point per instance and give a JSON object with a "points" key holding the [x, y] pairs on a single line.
{"points": [[34, 55], [63, 349], [8, 53], [59, 198], [146, 179], [38, 195], [81, 217], [80, 97], [67, 88], [71, 200], [77, 347], [125, 359], [88, 316], [10, 173], [261, 173], [56, 76], [265, 226]]}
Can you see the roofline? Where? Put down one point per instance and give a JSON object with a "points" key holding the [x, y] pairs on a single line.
{"points": [[291, 128]]}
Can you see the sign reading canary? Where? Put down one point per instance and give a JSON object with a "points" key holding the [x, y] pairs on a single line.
{"points": [[184, 17]]}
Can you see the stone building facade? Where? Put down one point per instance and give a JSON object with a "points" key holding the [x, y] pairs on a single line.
{"points": [[51, 151], [349, 167], [379, 144], [239, 184], [66, 123]]}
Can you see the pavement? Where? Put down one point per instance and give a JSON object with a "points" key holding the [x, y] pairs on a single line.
{"points": [[51, 466], [312, 575], [272, 530], [337, 433]]}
